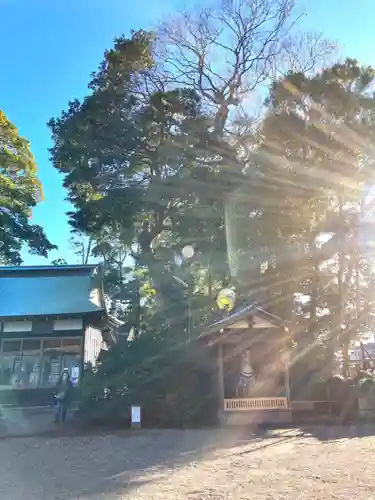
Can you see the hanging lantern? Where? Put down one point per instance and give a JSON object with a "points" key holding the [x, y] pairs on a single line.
{"points": [[188, 252], [292, 342], [226, 299]]}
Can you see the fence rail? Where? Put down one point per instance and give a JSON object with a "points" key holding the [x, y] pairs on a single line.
{"points": [[250, 404]]}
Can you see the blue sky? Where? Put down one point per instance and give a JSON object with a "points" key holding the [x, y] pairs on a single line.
{"points": [[48, 48]]}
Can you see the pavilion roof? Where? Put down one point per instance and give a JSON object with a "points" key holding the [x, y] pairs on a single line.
{"points": [[253, 314]]}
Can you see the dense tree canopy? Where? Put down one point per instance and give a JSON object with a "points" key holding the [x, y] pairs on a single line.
{"points": [[145, 175], [314, 163], [160, 146], [20, 191]]}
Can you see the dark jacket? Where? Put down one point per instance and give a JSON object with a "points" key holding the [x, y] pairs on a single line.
{"points": [[64, 390]]}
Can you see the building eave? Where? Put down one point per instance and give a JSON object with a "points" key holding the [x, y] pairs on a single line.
{"points": [[249, 313], [58, 268], [55, 316]]}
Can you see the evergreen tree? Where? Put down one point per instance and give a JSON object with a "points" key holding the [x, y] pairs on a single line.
{"points": [[20, 191]]}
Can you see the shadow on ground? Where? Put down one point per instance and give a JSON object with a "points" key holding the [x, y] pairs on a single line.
{"points": [[338, 432], [93, 465], [107, 466]]}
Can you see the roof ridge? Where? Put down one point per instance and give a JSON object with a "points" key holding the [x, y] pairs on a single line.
{"points": [[49, 266]]}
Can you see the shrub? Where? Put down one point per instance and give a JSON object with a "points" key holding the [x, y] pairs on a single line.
{"points": [[174, 384], [366, 385]]}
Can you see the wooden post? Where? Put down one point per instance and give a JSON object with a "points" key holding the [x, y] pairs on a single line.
{"points": [[220, 370], [286, 362]]}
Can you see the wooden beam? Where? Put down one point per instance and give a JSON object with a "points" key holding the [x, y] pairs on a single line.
{"points": [[220, 369]]}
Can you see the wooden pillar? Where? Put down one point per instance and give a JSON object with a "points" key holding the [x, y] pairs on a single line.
{"points": [[220, 370], [288, 391], [286, 361]]}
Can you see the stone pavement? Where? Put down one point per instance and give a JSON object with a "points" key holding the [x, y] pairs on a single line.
{"points": [[28, 421]]}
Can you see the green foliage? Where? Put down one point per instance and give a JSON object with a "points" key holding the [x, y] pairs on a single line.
{"points": [[173, 385], [149, 170], [133, 161], [20, 191], [59, 262], [366, 385], [310, 170]]}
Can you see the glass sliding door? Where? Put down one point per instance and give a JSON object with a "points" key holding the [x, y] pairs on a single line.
{"points": [[10, 363], [31, 363], [51, 362], [71, 358], [39, 362]]}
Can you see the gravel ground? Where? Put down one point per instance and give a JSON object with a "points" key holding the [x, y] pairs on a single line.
{"points": [[316, 463]]}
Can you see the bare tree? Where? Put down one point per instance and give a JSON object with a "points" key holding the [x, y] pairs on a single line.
{"points": [[228, 51], [82, 246]]}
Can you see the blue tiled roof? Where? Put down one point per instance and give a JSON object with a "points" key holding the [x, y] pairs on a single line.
{"points": [[49, 290]]}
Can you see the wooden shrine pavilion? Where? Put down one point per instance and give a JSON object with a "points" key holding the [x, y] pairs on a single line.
{"points": [[252, 349]]}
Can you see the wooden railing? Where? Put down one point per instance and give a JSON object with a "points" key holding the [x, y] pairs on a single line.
{"points": [[251, 404]]}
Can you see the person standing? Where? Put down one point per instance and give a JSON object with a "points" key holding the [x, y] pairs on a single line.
{"points": [[63, 395]]}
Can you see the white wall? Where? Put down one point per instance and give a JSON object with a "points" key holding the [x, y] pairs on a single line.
{"points": [[93, 345], [68, 324], [17, 326]]}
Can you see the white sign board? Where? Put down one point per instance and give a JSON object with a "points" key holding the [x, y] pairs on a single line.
{"points": [[75, 375], [136, 414]]}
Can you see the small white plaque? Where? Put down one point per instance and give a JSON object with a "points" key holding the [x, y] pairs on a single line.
{"points": [[74, 377], [136, 414]]}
